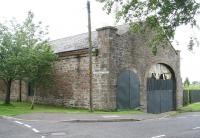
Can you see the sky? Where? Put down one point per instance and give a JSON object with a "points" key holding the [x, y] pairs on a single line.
{"points": [[69, 17]]}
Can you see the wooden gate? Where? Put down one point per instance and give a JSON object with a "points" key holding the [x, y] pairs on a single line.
{"points": [[128, 95]]}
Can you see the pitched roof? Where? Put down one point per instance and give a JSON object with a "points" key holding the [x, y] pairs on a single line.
{"points": [[80, 41]]}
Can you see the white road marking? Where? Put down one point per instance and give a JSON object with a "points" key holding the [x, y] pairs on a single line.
{"points": [[58, 134], [43, 137], [158, 136], [35, 130], [195, 115], [181, 117], [19, 122], [163, 118], [27, 125], [110, 116], [7, 117], [196, 128]]}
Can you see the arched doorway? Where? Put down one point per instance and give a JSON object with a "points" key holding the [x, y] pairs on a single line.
{"points": [[161, 86], [128, 96]]}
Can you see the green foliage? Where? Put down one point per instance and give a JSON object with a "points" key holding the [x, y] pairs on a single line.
{"points": [[37, 60], [161, 16], [38, 64], [10, 53], [25, 53]]}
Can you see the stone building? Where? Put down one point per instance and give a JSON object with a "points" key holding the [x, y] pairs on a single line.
{"points": [[125, 73]]}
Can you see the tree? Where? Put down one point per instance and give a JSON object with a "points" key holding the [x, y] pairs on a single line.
{"points": [[196, 82], [186, 82], [38, 67], [24, 49], [10, 53], [161, 16], [37, 62]]}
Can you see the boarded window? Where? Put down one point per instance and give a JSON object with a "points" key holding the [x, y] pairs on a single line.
{"points": [[30, 89]]}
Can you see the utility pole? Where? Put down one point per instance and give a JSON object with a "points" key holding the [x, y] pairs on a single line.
{"points": [[90, 55]]}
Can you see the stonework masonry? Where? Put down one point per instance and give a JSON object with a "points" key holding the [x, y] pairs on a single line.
{"points": [[129, 52], [115, 50]]}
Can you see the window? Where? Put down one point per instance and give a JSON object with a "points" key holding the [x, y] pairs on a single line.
{"points": [[30, 89]]}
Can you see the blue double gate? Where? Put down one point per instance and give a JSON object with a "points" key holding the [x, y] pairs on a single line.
{"points": [[160, 95], [128, 96]]}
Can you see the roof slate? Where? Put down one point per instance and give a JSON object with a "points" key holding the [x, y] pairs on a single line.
{"points": [[80, 41]]}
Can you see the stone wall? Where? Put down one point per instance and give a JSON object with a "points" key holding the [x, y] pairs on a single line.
{"points": [[15, 89], [131, 52], [71, 84]]}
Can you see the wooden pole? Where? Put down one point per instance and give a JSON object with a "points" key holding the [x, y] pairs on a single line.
{"points": [[90, 55]]}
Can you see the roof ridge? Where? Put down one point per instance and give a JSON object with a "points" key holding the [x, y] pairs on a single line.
{"points": [[71, 36], [117, 26]]}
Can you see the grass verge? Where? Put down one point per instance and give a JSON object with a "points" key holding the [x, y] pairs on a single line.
{"points": [[192, 87], [18, 108], [195, 107]]}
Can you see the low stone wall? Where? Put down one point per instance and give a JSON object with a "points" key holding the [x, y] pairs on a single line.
{"points": [[15, 89]]}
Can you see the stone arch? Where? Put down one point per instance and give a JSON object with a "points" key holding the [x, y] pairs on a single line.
{"points": [[165, 66], [133, 69]]}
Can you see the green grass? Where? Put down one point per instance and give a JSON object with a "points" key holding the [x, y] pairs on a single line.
{"points": [[18, 108], [195, 107], [192, 87]]}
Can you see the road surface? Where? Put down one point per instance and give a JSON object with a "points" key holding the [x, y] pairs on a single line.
{"points": [[182, 126]]}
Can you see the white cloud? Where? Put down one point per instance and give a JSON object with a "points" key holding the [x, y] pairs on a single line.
{"points": [[64, 17]]}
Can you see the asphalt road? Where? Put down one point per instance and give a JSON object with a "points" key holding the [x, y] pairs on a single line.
{"points": [[182, 126], [10, 129]]}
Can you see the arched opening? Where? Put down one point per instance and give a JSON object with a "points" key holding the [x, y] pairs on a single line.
{"points": [[161, 87], [128, 95]]}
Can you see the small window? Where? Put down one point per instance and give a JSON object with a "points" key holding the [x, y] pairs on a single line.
{"points": [[30, 89]]}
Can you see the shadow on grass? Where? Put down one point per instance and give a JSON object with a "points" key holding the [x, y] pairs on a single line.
{"points": [[8, 105]]}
